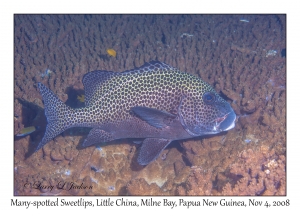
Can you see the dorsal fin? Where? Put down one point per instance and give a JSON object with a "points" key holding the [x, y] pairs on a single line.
{"points": [[93, 82]]}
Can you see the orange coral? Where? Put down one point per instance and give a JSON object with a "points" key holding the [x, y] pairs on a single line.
{"points": [[141, 187], [257, 173], [198, 183]]}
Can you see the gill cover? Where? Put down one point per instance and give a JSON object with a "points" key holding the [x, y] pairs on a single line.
{"points": [[207, 116], [188, 116]]}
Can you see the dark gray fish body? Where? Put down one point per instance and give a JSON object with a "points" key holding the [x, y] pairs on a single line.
{"points": [[156, 102]]}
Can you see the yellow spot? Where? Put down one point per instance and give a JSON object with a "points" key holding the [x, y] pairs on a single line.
{"points": [[80, 98], [111, 52]]}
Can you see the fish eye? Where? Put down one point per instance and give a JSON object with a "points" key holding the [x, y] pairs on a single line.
{"points": [[209, 97]]}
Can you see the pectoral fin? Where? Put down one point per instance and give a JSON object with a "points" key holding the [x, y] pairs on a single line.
{"points": [[150, 150], [154, 117], [97, 136]]}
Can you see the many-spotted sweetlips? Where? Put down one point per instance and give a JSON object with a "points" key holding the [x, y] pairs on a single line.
{"points": [[155, 101]]}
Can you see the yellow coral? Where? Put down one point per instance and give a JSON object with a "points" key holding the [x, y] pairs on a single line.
{"points": [[80, 98], [111, 52]]}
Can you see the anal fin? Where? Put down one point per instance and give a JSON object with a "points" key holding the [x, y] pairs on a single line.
{"points": [[97, 135], [150, 150]]}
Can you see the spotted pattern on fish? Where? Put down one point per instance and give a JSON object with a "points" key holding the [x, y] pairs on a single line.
{"points": [[115, 93], [155, 101]]}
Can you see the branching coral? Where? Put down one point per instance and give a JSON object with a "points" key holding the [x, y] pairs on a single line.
{"points": [[257, 173], [198, 183]]}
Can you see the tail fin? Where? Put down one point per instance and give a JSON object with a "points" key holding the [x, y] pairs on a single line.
{"points": [[56, 112]]}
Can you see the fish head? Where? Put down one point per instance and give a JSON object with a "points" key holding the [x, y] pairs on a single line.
{"points": [[204, 112]]}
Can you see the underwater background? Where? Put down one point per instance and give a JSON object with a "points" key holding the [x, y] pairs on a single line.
{"points": [[242, 56]]}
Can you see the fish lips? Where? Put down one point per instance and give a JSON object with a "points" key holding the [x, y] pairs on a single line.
{"points": [[228, 123]]}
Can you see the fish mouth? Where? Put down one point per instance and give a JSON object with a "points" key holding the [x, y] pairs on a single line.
{"points": [[226, 122]]}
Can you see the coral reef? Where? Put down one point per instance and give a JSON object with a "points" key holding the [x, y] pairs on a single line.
{"points": [[198, 183], [255, 173], [244, 61]]}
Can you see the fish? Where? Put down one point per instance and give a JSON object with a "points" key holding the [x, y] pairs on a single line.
{"points": [[155, 102], [244, 20], [47, 73], [28, 130], [111, 52], [80, 98]]}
